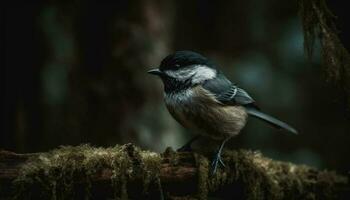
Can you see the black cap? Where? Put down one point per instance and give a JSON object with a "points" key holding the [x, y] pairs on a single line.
{"points": [[181, 59]]}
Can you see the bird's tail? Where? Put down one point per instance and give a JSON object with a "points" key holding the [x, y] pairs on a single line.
{"points": [[271, 120]]}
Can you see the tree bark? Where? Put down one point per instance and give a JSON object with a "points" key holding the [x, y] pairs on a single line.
{"points": [[126, 172]]}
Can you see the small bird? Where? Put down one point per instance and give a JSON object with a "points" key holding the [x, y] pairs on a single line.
{"points": [[201, 98]]}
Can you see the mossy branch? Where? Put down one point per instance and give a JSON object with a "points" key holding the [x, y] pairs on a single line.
{"points": [[127, 172]]}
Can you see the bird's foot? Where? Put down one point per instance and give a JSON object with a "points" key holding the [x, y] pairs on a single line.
{"points": [[185, 148], [216, 161]]}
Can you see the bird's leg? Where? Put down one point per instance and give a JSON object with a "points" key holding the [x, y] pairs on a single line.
{"points": [[187, 146], [217, 158]]}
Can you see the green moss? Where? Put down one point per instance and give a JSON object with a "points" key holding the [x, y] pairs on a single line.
{"points": [[67, 172], [202, 165], [264, 178], [70, 173], [250, 175]]}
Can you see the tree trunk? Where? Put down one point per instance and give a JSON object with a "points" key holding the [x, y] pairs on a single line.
{"points": [[126, 172]]}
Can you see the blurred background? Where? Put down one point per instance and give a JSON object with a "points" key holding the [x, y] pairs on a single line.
{"points": [[76, 73]]}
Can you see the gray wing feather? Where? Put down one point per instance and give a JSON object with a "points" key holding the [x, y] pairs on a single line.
{"points": [[227, 92], [230, 94]]}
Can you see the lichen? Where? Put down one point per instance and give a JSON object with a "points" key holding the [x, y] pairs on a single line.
{"points": [[67, 172], [72, 173], [202, 166], [319, 24], [264, 178]]}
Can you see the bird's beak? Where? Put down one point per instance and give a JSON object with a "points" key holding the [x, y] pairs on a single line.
{"points": [[155, 72]]}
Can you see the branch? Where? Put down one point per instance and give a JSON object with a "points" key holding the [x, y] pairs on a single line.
{"points": [[126, 172]]}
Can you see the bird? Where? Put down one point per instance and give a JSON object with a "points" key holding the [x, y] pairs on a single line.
{"points": [[200, 97]]}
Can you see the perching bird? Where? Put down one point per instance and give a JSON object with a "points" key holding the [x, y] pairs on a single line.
{"points": [[201, 98]]}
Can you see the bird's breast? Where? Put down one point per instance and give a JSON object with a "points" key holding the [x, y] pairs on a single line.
{"points": [[179, 98], [199, 110]]}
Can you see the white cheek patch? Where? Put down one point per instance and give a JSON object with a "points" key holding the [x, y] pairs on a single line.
{"points": [[198, 73], [182, 74], [203, 73]]}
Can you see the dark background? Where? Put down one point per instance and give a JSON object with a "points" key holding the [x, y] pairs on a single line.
{"points": [[75, 73]]}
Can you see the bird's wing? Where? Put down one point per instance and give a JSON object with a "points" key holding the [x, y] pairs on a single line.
{"points": [[227, 92]]}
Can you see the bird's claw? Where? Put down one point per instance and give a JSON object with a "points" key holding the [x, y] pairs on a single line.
{"points": [[216, 161]]}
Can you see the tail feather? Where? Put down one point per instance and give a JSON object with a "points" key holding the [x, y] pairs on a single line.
{"points": [[271, 120]]}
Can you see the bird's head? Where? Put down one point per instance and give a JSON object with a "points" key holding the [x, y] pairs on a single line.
{"points": [[184, 69]]}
